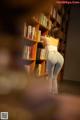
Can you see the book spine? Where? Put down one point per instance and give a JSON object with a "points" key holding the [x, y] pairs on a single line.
{"points": [[51, 11], [54, 13], [39, 35], [25, 30], [33, 33], [28, 52], [58, 18], [25, 53], [43, 54], [39, 69], [49, 24], [29, 34]]}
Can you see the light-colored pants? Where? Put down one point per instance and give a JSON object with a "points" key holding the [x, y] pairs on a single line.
{"points": [[54, 64]]}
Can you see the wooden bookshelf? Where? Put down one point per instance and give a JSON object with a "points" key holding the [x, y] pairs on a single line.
{"points": [[41, 25]]}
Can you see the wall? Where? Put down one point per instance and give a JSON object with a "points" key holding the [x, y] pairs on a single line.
{"points": [[72, 58]]}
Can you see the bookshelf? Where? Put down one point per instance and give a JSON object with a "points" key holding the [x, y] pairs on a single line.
{"points": [[34, 54]]}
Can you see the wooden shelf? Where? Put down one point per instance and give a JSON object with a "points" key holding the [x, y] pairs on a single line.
{"points": [[40, 61], [41, 44], [38, 47], [35, 20], [42, 27], [28, 61], [43, 75], [32, 22], [55, 21], [29, 41]]}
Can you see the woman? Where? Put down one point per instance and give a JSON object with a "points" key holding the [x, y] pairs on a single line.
{"points": [[54, 62]]}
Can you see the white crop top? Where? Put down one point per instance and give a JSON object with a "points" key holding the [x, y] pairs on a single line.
{"points": [[51, 48], [49, 45]]}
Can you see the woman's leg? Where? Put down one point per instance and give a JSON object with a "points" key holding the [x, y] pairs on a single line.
{"points": [[58, 65], [51, 61], [50, 72], [57, 68], [52, 79], [54, 64]]}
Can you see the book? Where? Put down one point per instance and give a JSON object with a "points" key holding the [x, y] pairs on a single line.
{"points": [[58, 18], [33, 33], [29, 32], [51, 10], [49, 24], [43, 54], [33, 52], [25, 53], [43, 20], [54, 13], [39, 35], [25, 30], [39, 69]]}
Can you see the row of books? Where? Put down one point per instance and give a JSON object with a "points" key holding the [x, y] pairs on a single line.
{"points": [[29, 53], [31, 33], [49, 24], [44, 21], [53, 12], [55, 15], [41, 54], [41, 69], [58, 18]]}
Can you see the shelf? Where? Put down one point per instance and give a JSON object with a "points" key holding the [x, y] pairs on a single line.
{"points": [[54, 21], [42, 23], [43, 75], [33, 22], [32, 42], [42, 27], [29, 41], [41, 44], [40, 61], [28, 61]]}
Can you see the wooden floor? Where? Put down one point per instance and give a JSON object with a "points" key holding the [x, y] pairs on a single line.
{"points": [[69, 87]]}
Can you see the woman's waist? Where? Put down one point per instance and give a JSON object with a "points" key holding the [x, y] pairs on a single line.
{"points": [[51, 48]]}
